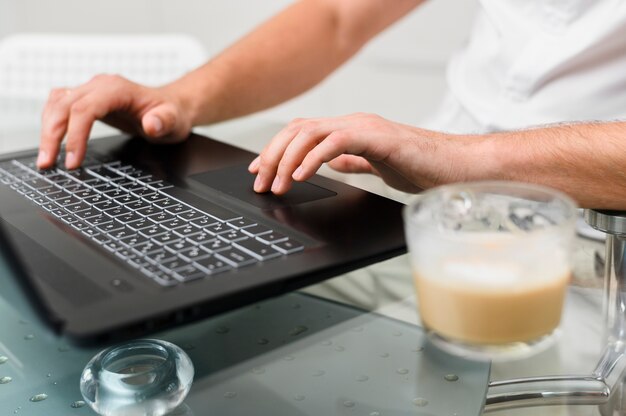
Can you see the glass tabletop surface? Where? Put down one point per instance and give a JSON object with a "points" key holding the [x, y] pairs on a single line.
{"points": [[351, 345]]}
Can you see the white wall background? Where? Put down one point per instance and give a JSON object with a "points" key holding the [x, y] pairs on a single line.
{"points": [[399, 75]]}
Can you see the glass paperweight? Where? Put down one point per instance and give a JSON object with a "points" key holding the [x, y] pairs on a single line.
{"points": [[143, 377]]}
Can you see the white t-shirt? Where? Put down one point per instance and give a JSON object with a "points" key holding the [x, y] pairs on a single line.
{"points": [[532, 62]]}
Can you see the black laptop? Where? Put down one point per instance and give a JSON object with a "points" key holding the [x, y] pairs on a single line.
{"points": [[144, 237]]}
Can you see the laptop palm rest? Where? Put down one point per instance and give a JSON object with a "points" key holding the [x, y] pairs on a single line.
{"points": [[237, 182]]}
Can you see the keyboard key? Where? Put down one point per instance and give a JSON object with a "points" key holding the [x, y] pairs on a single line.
{"points": [[101, 238], [126, 199], [160, 217], [191, 215], [81, 206], [111, 226], [166, 203], [147, 211], [147, 248], [99, 219], [155, 197], [166, 238], [188, 273], [90, 232], [116, 193], [123, 233], [173, 264], [187, 230], [194, 253], [160, 255], [257, 249], [213, 265], [241, 223], [130, 217], [134, 240], [216, 245], [200, 238], [235, 257], [137, 205], [143, 192], [218, 228], [288, 246], [257, 230], [116, 211], [233, 235], [178, 209], [160, 185], [140, 224], [104, 205], [95, 199], [174, 223], [204, 221], [179, 246], [272, 238], [88, 213], [67, 201], [153, 231]]}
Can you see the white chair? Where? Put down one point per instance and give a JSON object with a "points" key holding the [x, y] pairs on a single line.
{"points": [[32, 64]]}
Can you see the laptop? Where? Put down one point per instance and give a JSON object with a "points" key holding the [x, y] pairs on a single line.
{"points": [[144, 237]]}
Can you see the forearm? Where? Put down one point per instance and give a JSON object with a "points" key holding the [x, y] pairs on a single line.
{"points": [[587, 161], [284, 57]]}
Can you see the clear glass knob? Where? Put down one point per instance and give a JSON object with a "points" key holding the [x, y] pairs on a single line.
{"points": [[143, 377]]}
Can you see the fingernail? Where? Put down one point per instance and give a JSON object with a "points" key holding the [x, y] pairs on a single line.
{"points": [[254, 164], [296, 175], [70, 160], [42, 157], [157, 124], [276, 184], [257, 184]]}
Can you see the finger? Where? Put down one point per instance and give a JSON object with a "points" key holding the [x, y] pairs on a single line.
{"points": [[162, 123], [336, 144], [299, 136], [271, 154], [83, 113], [54, 124], [351, 164], [253, 167]]}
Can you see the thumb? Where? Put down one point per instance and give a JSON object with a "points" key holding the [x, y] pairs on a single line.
{"points": [[159, 122]]}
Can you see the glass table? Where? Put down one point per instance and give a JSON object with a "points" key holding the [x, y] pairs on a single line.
{"points": [[351, 345]]}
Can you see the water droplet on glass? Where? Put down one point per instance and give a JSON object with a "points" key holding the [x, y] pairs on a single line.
{"points": [[318, 373], [230, 394], [55, 383], [5, 380], [263, 341], [402, 371], [39, 397], [418, 349], [298, 330], [384, 355], [23, 322], [49, 375], [420, 402], [3, 359], [339, 348], [357, 329], [258, 370], [222, 330], [349, 403], [397, 333], [77, 404], [375, 414], [451, 377], [299, 397], [63, 348], [327, 343], [289, 358], [362, 378], [29, 337]]}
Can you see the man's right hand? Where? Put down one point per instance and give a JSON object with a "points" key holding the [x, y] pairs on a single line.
{"points": [[157, 114]]}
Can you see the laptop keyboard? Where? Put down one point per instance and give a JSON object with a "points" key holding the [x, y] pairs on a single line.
{"points": [[143, 221]]}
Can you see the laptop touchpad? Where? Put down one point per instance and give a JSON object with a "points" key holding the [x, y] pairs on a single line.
{"points": [[237, 182]]}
